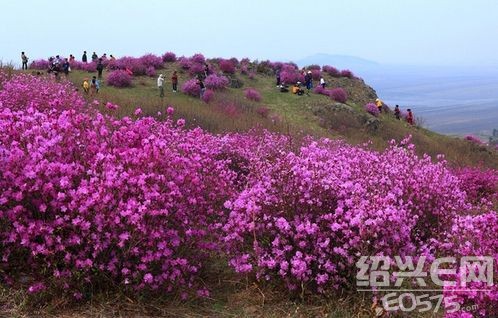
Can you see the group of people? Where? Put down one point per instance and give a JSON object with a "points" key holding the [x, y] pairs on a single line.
{"points": [[174, 83], [397, 112], [91, 87], [296, 87]]}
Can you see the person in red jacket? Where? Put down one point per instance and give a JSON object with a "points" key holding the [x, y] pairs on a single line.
{"points": [[409, 116], [174, 81]]}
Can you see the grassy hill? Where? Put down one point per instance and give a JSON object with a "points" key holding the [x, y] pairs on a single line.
{"points": [[315, 114]]}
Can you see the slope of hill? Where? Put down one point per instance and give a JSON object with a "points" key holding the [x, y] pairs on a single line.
{"points": [[316, 114]]}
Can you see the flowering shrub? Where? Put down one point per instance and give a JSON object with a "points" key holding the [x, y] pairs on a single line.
{"points": [[91, 197], [215, 82], [135, 65], [119, 78], [151, 60], [316, 75], [184, 63], [191, 88], [252, 94], [198, 58], [347, 73], [227, 66], [313, 67], [302, 219], [39, 64], [338, 94], [473, 235], [332, 71], [474, 139], [480, 184], [208, 96], [320, 90], [88, 67], [291, 77], [169, 57], [372, 109], [196, 68], [150, 71]]}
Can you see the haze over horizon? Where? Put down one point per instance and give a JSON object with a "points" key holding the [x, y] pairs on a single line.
{"points": [[410, 32]]}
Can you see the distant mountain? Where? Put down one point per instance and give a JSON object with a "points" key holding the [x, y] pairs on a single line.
{"points": [[353, 63]]}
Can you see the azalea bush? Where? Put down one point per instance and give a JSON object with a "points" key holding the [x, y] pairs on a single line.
{"points": [[332, 71], [474, 139], [119, 78], [372, 109], [252, 94], [151, 60], [169, 57], [208, 96], [216, 82], [227, 66], [40, 64], [150, 71], [191, 88], [338, 94]]}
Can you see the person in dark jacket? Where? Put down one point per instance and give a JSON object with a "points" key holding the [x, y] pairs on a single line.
{"points": [[24, 60], [100, 67], [397, 112], [174, 81], [84, 58], [65, 67], [95, 57]]}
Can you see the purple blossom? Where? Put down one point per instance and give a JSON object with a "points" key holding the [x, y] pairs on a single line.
{"points": [[372, 109], [252, 94], [119, 78]]}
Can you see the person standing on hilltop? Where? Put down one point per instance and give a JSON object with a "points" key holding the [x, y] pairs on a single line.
{"points": [[308, 80], [322, 82], [24, 60], [277, 74], [84, 58], [100, 68], [174, 81], [112, 58], [409, 116], [160, 85], [94, 57], [71, 58], [397, 112], [379, 104]]}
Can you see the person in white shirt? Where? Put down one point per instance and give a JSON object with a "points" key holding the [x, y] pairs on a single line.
{"points": [[160, 85], [322, 82]]}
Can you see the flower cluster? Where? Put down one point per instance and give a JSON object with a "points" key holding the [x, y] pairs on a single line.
{"points": [[169, 57], [208, 96], [336, 94], [191, 87], [474, 139], [119, 78], [227, 66], [372, 109], [339, 95], [215, 82], [252, 94]]}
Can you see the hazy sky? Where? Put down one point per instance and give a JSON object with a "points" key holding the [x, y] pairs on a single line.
{"points": [[443, 32]]}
